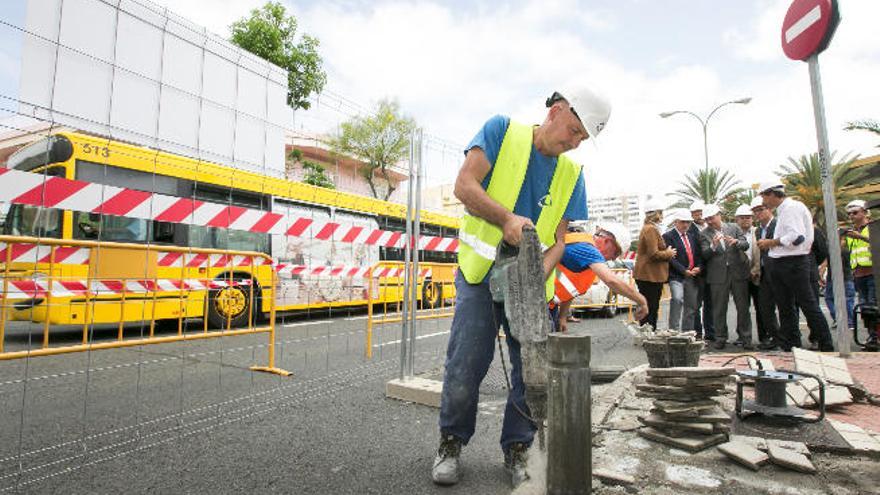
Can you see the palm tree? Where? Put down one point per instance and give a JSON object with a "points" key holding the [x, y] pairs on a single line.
{"points": [[710, 186], [803, 180], [869, 125], [731, 202]]}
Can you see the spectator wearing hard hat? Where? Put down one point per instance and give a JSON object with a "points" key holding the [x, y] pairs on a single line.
{"points": [[584, 260], [652, 261], [514, 175], [684, 271], [789, 262], [727, 273], [768, 326], [702, 320], [857, 240], [745, 221]]}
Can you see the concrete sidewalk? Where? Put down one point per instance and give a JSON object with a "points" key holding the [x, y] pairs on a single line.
{"points": [[655, 468]]}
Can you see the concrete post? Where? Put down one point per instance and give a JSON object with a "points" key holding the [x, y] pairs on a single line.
{"points": [[569, 434]]}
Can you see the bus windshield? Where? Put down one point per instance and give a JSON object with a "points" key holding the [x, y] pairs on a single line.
{"points": [[53, 149], [35, 221]]}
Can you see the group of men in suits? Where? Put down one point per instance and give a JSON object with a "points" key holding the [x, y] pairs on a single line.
{"points": [[716, 261]]}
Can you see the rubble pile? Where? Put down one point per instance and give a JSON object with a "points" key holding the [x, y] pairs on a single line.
{"points": [[685, 414]]}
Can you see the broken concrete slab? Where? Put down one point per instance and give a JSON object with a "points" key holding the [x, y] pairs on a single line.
{"points": [[744, 454], [672, 406], [761, 443], [690, 444], [708, 415], [686, 371], [799, 447], [610, 477], [857, 437], [790, 459], [415, 389], [682, 381], [662, 424]]}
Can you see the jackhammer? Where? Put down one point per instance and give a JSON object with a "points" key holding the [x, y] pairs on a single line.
{"points": [[517, 280]]}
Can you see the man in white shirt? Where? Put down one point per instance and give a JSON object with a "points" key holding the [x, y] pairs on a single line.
{"points": [[790, 261]]}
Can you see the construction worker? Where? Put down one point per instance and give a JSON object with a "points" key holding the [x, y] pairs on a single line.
{"points": [[514, 175], [857, 241], [584, 260]]}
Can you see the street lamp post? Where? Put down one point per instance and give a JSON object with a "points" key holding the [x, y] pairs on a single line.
{"points": [[705, 122]]}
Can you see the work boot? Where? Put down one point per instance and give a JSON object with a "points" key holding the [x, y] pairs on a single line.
{"points": [[719, 345], [515, 460], [447, 464]]}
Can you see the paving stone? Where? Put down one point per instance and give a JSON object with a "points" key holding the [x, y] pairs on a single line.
{"points": [[836, 369], [744, 454], [671, 406], [661, 424], [415, 389], [714, 415], [691, 372], [790, 459], [690, 444], [834, 396], [856, 436], [799, 394], [759, 443], [609, 477], [799, 447]]}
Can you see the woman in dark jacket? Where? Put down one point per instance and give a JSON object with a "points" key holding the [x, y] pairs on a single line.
{"points": [[652, 263]]}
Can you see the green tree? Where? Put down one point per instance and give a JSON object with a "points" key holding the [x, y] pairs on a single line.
{"points": [[869, 125], [313, 173], [708, 186], [270, 33], [379, 140], [803, 181], [731, 202]]}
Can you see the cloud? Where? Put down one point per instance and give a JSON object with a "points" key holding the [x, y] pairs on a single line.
{"points": [[452, 67]]}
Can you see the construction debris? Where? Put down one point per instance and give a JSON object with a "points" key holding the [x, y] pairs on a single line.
{"points": [[684, 413], [746, 455]]}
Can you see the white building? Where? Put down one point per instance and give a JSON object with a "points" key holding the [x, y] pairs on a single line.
{"points": [[624, 208]]}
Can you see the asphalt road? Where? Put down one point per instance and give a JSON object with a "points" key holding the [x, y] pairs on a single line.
{"points": [[191, 417]]}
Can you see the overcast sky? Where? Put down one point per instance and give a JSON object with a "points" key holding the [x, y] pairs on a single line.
{"points": [[454, 64]]}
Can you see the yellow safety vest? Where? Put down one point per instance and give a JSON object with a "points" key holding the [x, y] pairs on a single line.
{"points": [[480, 238], [859, 251]]}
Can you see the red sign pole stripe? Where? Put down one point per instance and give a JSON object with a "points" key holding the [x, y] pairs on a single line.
{"points": [[225, 218], [51, 192], [123, 202]]}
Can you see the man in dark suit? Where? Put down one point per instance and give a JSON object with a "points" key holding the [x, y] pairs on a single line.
{"points": [[702, 322], [727, 272], [684, 268], [768, 331]]}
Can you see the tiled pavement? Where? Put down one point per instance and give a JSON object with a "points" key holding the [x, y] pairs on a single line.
{"points": [[863, 366]]}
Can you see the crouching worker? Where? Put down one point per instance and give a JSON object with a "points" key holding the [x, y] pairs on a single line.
{"points": [[583, 261]]}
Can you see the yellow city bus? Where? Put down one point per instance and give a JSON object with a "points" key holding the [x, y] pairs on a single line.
{"points": [[124, 247]]}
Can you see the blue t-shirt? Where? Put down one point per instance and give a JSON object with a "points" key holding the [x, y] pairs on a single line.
{"points": [[539, 173], [578, 256]]}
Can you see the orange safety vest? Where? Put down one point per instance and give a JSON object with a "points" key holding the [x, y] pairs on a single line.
{"points": [[571, 284]]}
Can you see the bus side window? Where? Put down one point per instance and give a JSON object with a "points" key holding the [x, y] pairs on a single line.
{"points": [[163, 232]]}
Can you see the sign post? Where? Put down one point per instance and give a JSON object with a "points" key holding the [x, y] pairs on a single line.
{"points": [[807, 30]]}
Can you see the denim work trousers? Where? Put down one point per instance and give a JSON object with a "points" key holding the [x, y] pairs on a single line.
{"points": [[791, 288], [684, 302], [468, 356], [849, 292]]}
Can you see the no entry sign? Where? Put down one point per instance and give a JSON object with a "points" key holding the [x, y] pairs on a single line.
{"points": [[808, 27]]}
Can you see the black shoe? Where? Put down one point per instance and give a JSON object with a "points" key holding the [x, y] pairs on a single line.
{"points": [[871, 346], [515, 460], [447, 464], [719, 345], [768, 346], [749, 347]]}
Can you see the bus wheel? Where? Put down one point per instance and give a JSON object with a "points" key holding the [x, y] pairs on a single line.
{"points": [[229, 306], [432, 294]]}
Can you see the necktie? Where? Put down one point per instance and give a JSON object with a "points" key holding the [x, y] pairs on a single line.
{"points": [[687, 248]]}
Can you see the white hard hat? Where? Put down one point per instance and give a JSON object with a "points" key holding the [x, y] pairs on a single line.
{"points": [[697, 205], [855, 205], [756, 202], [654, 205], [771, 185], [593, 109], [619, 231], [743, 211], [682, 215], [710, 210]]}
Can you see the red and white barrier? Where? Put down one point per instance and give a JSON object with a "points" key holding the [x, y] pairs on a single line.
{"points": [[33, 189], [31, 288]]}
